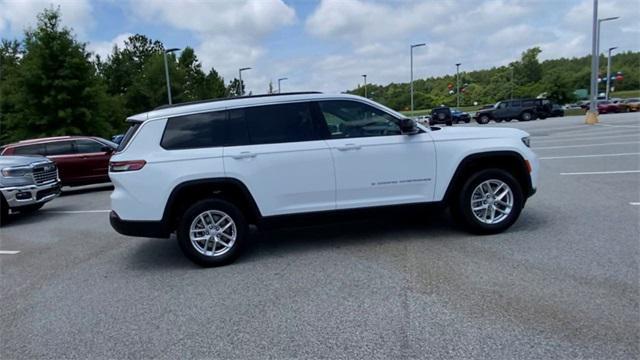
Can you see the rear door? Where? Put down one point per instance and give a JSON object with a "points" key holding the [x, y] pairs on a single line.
{"points": [[278, 153], [63, 154], [92, 159], [375, 163]]}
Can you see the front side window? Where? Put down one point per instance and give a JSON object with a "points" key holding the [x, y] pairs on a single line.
{"points": [[88, 146], [195, 131], [502, 106], [351, 119], [59, 148], [280, 123], [36, 149]]}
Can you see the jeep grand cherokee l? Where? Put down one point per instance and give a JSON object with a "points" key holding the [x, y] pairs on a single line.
{"points": [[206, 170]]}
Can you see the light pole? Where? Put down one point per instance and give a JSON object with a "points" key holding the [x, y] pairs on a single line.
{"points": [[166, 72], [240, 87], [598, 25], [411, 83], [609, 72], [458, 84], [279, 80], [365, 84], [511, 93]]}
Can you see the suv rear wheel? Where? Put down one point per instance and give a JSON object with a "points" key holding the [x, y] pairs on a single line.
{"points": [[212, 232], [489, 202], [526, 116]]}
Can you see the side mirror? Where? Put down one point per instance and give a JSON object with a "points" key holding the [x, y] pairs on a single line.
{"points": [[107, 149], [408, 126]]}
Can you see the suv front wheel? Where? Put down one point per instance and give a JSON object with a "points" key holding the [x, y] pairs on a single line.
{"points": [[526, 116], [489, 202], [212, 232], [484, 119]]}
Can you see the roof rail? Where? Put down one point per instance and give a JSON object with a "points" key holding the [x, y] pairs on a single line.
{"points": [[44, 139], [233, 98]]}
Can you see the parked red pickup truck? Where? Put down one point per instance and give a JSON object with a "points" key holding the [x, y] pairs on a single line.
{"points": [[81, 160]]}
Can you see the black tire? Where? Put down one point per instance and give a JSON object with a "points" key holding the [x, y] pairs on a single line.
{"points": [[526, 116], [461, 205], [29, 208], [448, 123], [498, 120], [508, 120], [193, 253], [483, 119], [4, 210], [466, 121]]}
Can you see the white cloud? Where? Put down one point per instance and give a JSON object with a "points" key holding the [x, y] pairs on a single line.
{"points": [[18, 15], [104, 48], [229, 32]]}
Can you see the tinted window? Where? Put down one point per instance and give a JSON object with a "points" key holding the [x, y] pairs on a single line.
{"points": [[236, 129], [195, 131], [128, 135], [88, 146], [516, 104], [280, 123], [348, 119], [36, 149], [59, 148], [502, 106]]}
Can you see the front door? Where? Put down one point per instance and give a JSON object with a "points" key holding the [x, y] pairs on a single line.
{"points": [[375, 163]]}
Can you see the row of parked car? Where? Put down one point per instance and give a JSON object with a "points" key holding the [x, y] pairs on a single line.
{"points": [[34, 170], [614, 105]]}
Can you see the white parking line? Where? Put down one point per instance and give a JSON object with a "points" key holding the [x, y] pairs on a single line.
{"points": [[586, 156], [634, 203], [603, 172], [620, 126], [550, 138], [76, 211], [9, 252], [585, 145]]}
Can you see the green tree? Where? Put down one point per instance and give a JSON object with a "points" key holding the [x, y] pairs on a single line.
{"points": [[235, 88], [57, 91]]}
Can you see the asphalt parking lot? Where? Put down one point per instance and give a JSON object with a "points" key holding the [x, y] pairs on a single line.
{"points": [[563, 282]]}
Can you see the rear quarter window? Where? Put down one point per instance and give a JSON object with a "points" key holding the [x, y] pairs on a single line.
{"points": [[195, 131], [128, 135]]}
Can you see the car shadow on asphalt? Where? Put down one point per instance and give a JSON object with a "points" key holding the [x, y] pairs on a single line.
{"points": [[373, 230]]}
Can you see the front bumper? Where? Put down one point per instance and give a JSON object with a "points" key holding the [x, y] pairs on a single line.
{"points": [[17, 196]]}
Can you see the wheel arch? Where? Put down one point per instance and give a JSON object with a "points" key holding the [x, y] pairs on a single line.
{"points": [[510, 161], [226, 188]]}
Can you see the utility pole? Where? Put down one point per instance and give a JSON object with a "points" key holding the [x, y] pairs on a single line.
{"points": [[240, 87], [365, 84], [609, 72], [166, 72], [411, 82], [458, 84]]}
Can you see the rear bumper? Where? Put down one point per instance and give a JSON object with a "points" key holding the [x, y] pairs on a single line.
{"points": [[152, 229]]}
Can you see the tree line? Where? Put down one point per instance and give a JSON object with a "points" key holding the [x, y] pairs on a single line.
{"points": [[51, 85], [556, 79]]}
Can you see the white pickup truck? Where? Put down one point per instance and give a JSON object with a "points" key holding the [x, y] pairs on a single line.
{"points": [[205, 170]]}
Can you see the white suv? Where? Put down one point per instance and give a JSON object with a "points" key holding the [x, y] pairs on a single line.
{"points": [[206, 170]]}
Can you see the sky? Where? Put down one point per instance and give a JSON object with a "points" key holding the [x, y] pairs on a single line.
{"points": [[326, 45]]}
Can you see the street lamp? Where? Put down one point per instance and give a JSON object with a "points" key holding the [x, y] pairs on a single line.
{"points": [[458, 84], [240, 89], [166, 72], [279, 80], [365, 84], [411, 83], [609, 72], [595, 61]]}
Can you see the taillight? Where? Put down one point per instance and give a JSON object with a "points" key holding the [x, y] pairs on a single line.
{"points": [[120, 166]]}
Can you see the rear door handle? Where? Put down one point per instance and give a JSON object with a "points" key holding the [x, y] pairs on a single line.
{"points": [[244, 155], [347, 147]]}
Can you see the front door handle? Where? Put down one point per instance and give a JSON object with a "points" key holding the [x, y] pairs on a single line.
{"points": [[244, 155], [347, 147]]}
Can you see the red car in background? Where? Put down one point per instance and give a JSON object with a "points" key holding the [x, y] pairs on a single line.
{"points": [[608, 107], [81, 160]]}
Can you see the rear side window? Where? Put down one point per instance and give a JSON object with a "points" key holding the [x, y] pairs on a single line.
{"points": [[195, 131], [36, 149], [88, 146], [59, 148], [128, 135], [280, 123]]}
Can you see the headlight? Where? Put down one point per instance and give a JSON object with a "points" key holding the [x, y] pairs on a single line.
{"points": [[526, 141], [14, 172]]}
